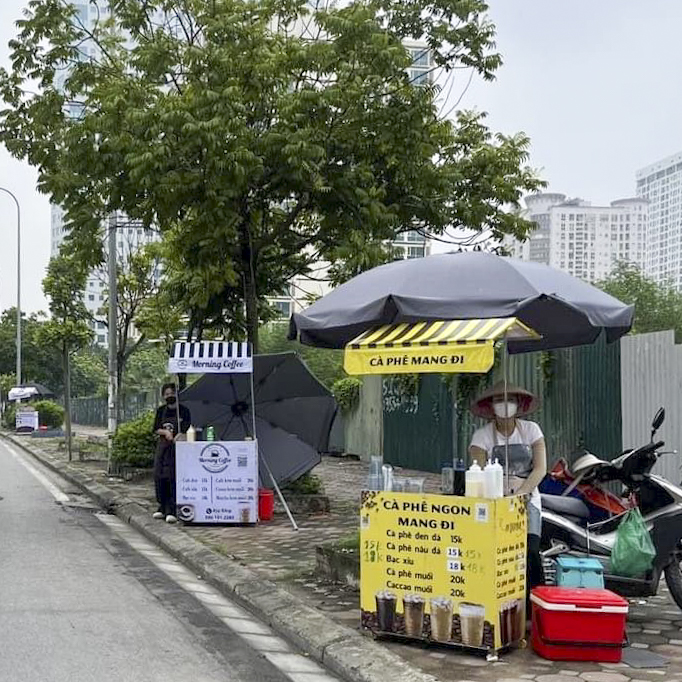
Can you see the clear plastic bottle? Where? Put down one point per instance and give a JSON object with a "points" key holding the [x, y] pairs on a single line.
{"points": [[474, 481], [499, 478], [492, 480]]}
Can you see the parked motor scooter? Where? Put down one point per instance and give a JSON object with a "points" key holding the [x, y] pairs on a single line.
{"points": [[567, 526]]}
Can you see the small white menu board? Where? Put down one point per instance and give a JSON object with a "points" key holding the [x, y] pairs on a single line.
{"points": [[26, 420], [217, 481]]}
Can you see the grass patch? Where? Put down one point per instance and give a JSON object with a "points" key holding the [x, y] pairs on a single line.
{"points": [[308, 484], [349, 543]]}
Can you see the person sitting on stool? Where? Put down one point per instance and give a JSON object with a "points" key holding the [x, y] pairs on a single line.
{"points": [[167, 429]]}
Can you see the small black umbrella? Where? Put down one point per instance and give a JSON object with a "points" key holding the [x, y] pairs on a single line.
{"points": [[461, 286], [294, 412]]}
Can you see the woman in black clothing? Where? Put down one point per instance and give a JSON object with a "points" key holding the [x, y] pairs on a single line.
{"points": [[166, 428]]}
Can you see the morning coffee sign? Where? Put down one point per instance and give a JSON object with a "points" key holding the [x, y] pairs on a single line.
{"points": [[217, 481], [211, 357], [445, 569]]}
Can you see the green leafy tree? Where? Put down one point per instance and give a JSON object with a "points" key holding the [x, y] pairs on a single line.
{"points": [[258, 137], [326, 365], [89, 372], [146, 370], [137, 283], [39, 363], [68, 328], [657, 307]]}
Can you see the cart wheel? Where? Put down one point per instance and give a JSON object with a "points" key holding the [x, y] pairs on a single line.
{"points": [[492, 657]]}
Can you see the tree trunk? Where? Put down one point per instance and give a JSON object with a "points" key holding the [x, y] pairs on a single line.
{"points": [[249, 258], [66, 360], [251, 301]]}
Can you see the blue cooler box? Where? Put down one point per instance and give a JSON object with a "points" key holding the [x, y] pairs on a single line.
{"points": [[576, 572]]}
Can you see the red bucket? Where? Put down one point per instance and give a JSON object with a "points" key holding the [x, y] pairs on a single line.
{"points": [[266, 504]]}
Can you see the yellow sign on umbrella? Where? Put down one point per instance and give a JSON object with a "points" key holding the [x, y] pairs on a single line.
{"points": [[440, 346]]}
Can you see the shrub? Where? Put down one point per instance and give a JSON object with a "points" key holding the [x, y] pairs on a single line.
{"points": [[134, 442], [9, 416], [50, 414], [349, 543], [308, 484], [347, 393]]}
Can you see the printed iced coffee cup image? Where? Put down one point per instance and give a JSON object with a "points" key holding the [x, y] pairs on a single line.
{"points": [[441, 619], [518, 622], [472, 620], [386, 602], [508, 620], [414, 614]]}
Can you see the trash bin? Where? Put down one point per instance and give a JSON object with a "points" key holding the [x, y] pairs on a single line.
{"points": [[266, 504]]}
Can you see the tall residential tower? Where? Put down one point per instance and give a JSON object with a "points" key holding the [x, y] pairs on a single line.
{"points": [[583, 240], [661, 184]]}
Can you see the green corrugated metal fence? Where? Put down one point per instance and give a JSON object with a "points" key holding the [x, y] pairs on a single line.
{"points": [[579, 390], [93, 411]]}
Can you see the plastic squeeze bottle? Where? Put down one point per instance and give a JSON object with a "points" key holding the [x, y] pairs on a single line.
{"points": [[492, 480], [191, 434], [474, 481], [499, 478]]}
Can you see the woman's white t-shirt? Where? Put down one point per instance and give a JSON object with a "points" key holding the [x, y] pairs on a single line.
{"points": [[525, 433]]}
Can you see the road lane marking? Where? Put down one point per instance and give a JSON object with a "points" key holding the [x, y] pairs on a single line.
{"points": [[58, 494], [260, 637]]}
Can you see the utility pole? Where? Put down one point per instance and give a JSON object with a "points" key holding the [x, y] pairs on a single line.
{"points": [[113, 295]]}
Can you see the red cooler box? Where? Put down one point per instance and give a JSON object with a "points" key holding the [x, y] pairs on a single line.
{"points": [[576, 624]]}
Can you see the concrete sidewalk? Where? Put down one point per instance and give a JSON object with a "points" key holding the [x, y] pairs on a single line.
{"points": [[276, 555], [81, 430]]}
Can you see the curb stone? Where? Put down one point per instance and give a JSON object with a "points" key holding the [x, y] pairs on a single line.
{"points": [[345, 651]]}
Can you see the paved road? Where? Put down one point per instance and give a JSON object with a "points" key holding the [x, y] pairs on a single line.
{"points": [[83, 598]]}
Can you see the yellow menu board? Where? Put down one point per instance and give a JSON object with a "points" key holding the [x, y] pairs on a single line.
{"points": [[442, 568]]}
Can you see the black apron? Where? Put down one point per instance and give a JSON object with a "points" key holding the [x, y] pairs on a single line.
{"points": [[164, 460]]}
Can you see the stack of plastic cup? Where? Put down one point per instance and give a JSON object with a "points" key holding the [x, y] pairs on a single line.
{"points": [[447, 479], [375, 479]]}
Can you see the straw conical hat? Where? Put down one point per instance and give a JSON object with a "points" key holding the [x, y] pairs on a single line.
{"points": [[483, 405]]}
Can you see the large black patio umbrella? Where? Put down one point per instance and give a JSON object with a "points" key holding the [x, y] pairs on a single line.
{"points": [[294, 412], [564, 310]]}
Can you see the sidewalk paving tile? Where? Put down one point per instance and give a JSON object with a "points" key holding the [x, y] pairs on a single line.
{"points": [[281, 554]]}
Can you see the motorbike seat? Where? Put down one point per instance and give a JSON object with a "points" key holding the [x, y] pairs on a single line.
{"points": [[566, 506]]}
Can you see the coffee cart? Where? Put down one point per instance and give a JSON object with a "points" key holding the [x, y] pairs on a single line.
{"points": [[218, 481], [440, 568]]}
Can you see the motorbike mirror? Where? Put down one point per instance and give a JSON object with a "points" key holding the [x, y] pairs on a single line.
{"points": [[658, 421]]}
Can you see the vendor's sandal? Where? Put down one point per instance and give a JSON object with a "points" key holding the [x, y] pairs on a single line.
{"points": [[171, 519], [157, 515]]}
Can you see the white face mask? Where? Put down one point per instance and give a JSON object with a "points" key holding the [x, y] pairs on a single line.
{"points": [[505, 410]]}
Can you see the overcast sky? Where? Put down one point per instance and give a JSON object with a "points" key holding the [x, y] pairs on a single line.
{"points": [[594, 83]]}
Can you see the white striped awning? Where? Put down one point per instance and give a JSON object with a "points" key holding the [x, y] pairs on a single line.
{"points": [[211, 357]]}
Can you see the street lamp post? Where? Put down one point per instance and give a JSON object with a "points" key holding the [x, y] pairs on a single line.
{"points": [[16, 201]]}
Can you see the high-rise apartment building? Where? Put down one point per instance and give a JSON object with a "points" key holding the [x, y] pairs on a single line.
{"points": [[661, 184], [583, 240], [130, 236]]}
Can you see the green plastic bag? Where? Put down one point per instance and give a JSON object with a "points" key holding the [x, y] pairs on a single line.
{"points": [[633, 552]]}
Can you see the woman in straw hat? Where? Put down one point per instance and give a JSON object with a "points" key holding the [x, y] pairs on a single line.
{"points": [[519, 444]]}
